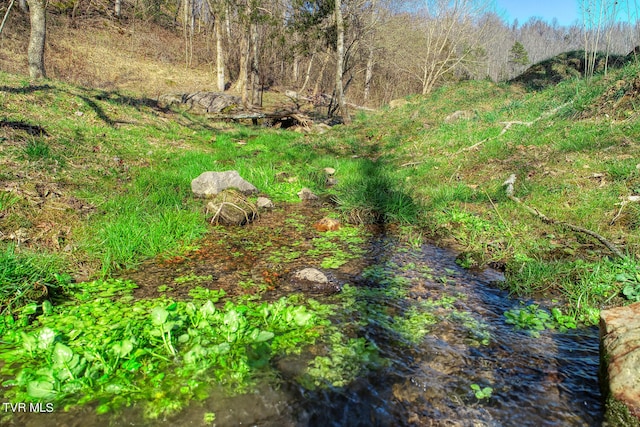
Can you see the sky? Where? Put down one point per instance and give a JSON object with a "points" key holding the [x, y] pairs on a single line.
{"points": [[565, 11]]}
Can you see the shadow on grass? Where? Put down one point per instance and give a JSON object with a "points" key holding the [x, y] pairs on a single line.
{"points": [[92, 98], [31, 129], [26, 89]]}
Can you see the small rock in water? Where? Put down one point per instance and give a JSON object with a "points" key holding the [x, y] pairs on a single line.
{"points": [[311, 274], [312, 280], [327, 224]]}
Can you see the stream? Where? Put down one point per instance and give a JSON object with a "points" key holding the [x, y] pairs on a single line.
{"points": [[550, 380]]}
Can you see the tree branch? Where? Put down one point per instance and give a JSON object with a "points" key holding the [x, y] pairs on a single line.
{"points": [[4, 20], [509, 183], [507, 126]]}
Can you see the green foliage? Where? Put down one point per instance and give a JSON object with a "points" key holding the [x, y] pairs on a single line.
{"points": [[27, 277], [518, 54], [631, 281], [108, 348], [535, 319], [478, 332], [347, 359], [7, 199], [37, 149], [481, 392], [336, 248], [414, 324], [192, 278]]}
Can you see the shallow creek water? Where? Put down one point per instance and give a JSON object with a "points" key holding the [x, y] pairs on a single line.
{"points": [[546, 381]]}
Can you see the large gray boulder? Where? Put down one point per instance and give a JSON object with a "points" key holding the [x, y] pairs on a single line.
{"points": [[208, 184], [620, 358]]}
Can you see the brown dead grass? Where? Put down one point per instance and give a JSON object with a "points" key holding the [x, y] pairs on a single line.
{"points": [[130, 55]]}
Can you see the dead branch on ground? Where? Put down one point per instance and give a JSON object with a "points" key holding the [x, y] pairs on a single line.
{"points": [[509, 183], [507, 126]]}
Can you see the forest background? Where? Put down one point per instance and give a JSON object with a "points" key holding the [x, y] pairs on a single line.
{"points": [[382, 50]]}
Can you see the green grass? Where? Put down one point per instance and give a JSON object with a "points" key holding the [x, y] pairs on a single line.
{"points": [[572, 164], [27, 278]]}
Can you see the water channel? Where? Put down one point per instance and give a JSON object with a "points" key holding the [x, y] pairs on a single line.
{"points": [[550, 380]]}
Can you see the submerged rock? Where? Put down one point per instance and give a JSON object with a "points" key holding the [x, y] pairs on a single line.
{"points": [[327, 224], [208, 184], [620, 356], [312, 280]]}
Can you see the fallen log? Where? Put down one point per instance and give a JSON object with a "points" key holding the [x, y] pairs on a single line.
{"points": [[297, 117]]}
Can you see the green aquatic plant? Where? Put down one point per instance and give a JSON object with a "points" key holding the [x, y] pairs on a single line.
{"points": [[107, 348], [478, 332], [481, 392], [193, 278], [346, 359], [337, 247], [535, 319]]}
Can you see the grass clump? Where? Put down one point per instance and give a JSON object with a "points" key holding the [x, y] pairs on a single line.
{"points": [[27, 278]]}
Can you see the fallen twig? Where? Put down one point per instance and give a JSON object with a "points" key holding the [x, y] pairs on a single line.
{"points": [[507, 126], [404, 165], [509, 183], [4, 20]]}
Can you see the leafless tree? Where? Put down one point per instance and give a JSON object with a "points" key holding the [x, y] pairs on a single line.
{"points": [[37, 39]]}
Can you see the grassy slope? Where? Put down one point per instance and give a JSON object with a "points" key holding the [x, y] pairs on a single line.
{"points": [[574, 151], [96, 177]]}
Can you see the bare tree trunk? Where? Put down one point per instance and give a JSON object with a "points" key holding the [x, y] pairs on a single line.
{"points": [[342, 103], [219, 56], [308, 73], [37, 39], [368, 75], [227, 22], [117, 8], [188, 28], [321, 73], [371, 39], [241, 84], [217, 25], [295, 69], [23, 5], [255, 64]]}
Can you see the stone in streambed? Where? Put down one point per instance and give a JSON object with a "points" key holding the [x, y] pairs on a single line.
{"points": [[620, 357], [312, 280]]}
